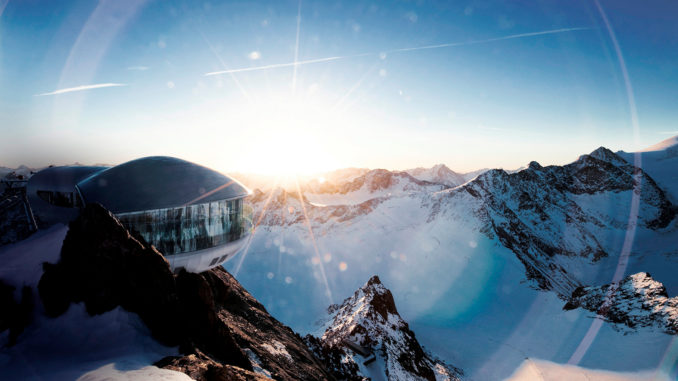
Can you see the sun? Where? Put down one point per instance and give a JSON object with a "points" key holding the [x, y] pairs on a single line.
{"points": [[291, 136], [291, 152]]}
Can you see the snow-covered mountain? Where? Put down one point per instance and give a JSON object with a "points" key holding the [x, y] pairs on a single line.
{"points": [[636, 301], [480, 272], [373, 184], [439, 174], [465, 264], [339, 176], [367, 338], [545, 215], [318, 182]]}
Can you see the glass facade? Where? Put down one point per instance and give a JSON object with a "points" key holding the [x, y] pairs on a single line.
{"points": [[63, 199], [192, 227]]}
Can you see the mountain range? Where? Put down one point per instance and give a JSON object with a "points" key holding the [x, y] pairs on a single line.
{"points": [[488, 263], [495, 274]]}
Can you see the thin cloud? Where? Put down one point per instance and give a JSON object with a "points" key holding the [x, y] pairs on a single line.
{"points": [[382, 54], [81, 88], [138, 68]]}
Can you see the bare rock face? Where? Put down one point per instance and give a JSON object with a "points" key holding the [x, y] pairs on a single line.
{"points": [[366, 328], [223, 332], [273, 349], [200, 367], [635, 301]]}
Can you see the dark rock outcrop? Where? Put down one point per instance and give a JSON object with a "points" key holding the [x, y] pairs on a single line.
{"points": [[201, 367], [635, 301], [223, 332]]}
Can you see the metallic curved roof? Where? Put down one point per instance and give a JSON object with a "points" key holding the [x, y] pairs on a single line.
{"points": [[60, 179], [157, 182]]}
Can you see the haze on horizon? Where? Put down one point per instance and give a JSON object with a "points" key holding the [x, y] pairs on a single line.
{"points": [[307, 86]]}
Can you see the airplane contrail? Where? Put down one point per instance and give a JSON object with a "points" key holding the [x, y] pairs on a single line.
{"points": [[81, 88], [296, 50], [473, 42], [401, 50], [275, 66]]}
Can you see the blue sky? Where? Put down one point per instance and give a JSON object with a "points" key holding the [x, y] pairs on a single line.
{"points": [[500, 103]]}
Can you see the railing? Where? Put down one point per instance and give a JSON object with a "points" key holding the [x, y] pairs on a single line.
{"points": [[9, 202]]}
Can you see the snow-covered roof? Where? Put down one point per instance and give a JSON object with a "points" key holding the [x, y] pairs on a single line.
{"points": [[158, 182]]}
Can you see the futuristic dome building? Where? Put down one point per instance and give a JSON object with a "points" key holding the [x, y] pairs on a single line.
{"points": [[193, 215], [52, 194]]}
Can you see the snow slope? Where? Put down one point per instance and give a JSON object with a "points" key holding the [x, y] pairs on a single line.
{"points": [[665, 145], [660, 161]]}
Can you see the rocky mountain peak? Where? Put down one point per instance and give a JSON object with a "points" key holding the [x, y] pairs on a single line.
{"points": [[366, 327], [371, 306], [379, 297], [373, 281], [534, 166], [604, 154]]}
